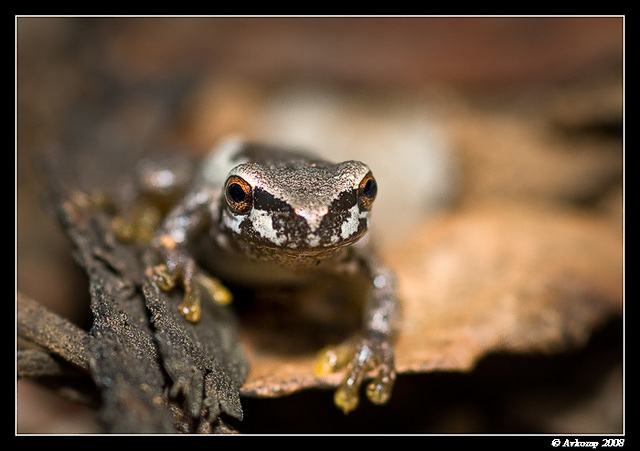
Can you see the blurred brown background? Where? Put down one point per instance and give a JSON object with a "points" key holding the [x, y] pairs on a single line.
{"points": [[492, 88]]}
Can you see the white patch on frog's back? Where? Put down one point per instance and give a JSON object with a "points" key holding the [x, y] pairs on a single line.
{"points": [[220, 160]]}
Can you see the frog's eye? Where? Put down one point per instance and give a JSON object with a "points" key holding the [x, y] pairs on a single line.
{"points": [[367, 191], [238, 194]]}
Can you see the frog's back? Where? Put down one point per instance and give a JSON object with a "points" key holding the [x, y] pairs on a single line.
{"points": [[234, 151]]}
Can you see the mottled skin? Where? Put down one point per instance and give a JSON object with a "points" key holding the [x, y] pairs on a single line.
{"points": [[275, 216]]}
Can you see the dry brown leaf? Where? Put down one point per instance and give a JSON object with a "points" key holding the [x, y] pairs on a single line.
{"points": [[495, 278], [504, 278]]}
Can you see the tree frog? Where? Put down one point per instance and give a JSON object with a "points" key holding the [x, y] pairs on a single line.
{"points": [[275, 215]]}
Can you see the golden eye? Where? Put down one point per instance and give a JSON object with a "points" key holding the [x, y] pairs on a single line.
{"points": [[367, 191], [238, 194]]}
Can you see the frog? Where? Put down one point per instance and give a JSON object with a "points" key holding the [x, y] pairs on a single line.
{"points": [[271, 214]]}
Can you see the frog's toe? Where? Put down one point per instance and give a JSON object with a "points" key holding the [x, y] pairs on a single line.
{"points": [[334, 357], [190, 307], [161, 275], [215, 288], [371, 353], [379, 390], [346, 397]]}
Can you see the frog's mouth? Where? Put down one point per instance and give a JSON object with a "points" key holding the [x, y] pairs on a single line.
{"points": [[295, 254], [299, 257], [293, 236]]}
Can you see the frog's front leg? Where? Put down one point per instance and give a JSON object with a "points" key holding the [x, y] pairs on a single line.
{"points": [[176, 267], [372, 351], [173, 263]]}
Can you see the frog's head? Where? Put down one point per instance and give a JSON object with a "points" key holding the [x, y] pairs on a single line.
{"points": [[300, 211]]}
